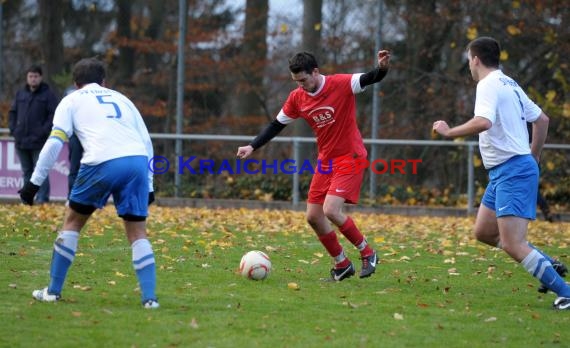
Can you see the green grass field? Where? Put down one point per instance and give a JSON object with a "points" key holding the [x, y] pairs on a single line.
{"points": [[435, 287]]}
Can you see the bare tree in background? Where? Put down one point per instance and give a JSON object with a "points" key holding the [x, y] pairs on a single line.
{"points": [[428, 78], [252, 62], [312, 18], [51, 39], [157, 10], [126, 52], [312, 24]]}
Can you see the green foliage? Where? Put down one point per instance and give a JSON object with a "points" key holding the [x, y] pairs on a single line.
{"points": [[63, 81], [256, 186]]}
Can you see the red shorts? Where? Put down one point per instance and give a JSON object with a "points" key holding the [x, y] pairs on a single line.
{"points": [[339, 183]]}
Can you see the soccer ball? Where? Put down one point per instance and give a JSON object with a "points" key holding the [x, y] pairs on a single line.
{"points": [[255, 265]]}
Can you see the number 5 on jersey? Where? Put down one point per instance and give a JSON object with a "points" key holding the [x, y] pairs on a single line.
{"points": [[117, 109]]}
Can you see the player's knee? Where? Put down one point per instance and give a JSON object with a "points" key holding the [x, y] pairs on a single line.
{"points": [[312, 219], [332, 213], [486, 236], [477, 233], [480, 234], [515, 249]]}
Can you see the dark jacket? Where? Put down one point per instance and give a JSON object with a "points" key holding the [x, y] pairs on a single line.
{"points": [[31, 116]]}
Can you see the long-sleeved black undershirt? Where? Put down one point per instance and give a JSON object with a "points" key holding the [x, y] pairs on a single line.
{"points": [[275, 127]]}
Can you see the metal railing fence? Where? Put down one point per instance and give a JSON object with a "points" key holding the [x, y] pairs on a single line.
{"points": [[297, 141], [470, 147]]}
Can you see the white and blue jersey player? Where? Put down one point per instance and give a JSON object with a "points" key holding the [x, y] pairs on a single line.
{"points": [[502, 111], [117, 150]]}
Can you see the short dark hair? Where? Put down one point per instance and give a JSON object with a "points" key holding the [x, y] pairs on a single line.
{"points": [[88, 70], [487, 49], [302, 61], [35, 69]]}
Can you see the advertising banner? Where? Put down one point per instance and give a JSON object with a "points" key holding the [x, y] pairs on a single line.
{"points": [[11, 179]]}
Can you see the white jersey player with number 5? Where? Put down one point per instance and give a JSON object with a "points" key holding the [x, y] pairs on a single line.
{"points": [[117, 150], [117, 131]]}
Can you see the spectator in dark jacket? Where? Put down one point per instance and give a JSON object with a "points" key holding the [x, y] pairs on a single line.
{"points": [[30, 122]]}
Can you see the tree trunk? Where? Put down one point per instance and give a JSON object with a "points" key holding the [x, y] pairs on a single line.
{"points": [[250, 97], [52, 39], [312, 17], [126, 53], [154, 30]]}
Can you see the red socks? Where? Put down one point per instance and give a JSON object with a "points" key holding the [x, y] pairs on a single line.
{"points": [[353, 234], [330, 242]]}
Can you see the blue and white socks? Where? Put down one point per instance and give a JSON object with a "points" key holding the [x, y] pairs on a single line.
{"points": [[63, 255], [541, 252], [541, 268], [143, 262]]}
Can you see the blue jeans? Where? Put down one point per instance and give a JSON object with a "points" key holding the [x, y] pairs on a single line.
{"points": [[28, 160]]}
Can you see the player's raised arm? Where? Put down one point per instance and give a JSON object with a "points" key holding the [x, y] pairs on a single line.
{"points": [[378, 73]]}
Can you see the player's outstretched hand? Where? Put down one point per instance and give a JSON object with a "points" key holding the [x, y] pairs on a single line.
{"points": [[244, 151], [150, 197], [383, 59], [28, 192]]}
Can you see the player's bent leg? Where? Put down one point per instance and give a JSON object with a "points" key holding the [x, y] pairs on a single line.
{"points": [[558, 266], [143, 260], [76, 215], [64, 249], [367, 254], [513, 236], [343, 267], [513, 232], [333, 211], [317, 220], [540, 268], [486, 228], [135, 226]]}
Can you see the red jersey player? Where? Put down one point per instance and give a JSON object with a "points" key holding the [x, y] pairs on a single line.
{"points": [[328, 105]]}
